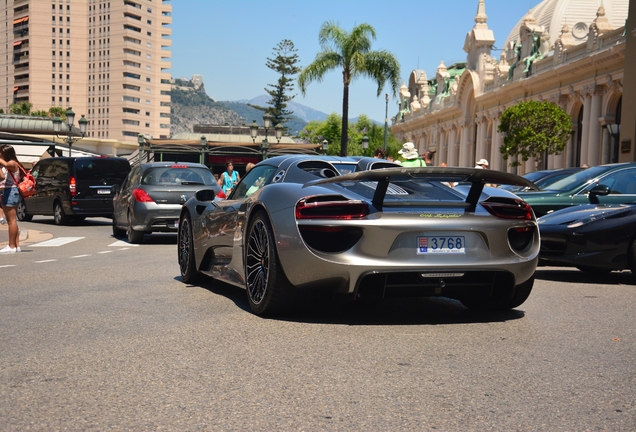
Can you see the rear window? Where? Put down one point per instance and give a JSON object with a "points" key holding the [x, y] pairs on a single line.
{"points": [[178, 175], [409, 192], [101, 168]]}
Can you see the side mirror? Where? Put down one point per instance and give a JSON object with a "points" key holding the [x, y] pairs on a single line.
{"points": [[596, 191], [205, 195]]}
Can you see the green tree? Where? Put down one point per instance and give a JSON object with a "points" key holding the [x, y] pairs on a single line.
{"points": [[352, 53], [284, 62], [534, 129], [23, 108]]}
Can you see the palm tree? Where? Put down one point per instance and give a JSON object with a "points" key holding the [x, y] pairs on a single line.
{"points": [[352, 53]]}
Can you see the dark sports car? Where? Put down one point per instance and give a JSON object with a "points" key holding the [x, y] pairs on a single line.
{"points": [[357, 226], [543, 179], [594, 238]]}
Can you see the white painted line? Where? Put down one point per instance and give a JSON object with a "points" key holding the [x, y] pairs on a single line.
{"points": [[81, 256], [126, 248], [121, 243], [8, 265], [104, 252], [60, 241], [45, 261]]}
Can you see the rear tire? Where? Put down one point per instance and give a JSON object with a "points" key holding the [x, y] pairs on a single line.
{"points": [[520, 294], [134, 237], [118, 232], [268, 289], [58, 214], [21, 211], [185, 250]]}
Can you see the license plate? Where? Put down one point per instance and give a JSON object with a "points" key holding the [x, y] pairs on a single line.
{"points": [[103, 191], [441, 245]]}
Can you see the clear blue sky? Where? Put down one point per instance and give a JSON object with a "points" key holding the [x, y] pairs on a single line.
{"points": [[228, 42]]}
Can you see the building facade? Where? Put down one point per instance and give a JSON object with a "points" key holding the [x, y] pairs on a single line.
{"points": [[569, 52], [107, 59]]}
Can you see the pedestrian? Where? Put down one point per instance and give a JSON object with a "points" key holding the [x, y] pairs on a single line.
{"points": [[409, 152], [3, 177], [11, 196], [428, 157], [248, 167], [229, 178], [379, 153], [482, 164]]}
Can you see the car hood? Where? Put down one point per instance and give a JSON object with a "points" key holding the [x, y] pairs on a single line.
{"points": [[584, 211]]}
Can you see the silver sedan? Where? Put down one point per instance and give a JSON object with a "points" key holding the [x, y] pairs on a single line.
{"points": [[151, 197]]}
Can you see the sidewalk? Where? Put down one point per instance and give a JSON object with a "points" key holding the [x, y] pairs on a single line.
{"points": [[26, 236]]}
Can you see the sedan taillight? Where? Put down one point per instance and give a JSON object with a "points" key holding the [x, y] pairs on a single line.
{"points": [[141, 195], [508, 208]]}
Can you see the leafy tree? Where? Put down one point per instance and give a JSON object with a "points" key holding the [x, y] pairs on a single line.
{"points": [[534, 129], [23, 108], [57, 112], [331, 129], [352, 53], [284, 63]]}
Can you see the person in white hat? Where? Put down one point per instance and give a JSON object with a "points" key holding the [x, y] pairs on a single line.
{"points": [[409, 152], [482, 164]]}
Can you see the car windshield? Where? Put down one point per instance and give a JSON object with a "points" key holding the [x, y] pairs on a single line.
{"points": [[580, 178], [178, 174]]}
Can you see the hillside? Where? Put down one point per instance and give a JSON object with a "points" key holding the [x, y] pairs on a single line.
{"points": [[295, 124]]}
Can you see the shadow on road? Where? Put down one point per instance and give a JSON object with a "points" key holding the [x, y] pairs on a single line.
{"points": [[373, 311], [574, 275]]}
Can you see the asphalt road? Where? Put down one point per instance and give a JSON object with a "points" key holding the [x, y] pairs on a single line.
{"points": [[97, 334]]}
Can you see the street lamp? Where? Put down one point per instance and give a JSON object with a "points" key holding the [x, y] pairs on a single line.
{"points": [[325, 146], [386, 121], [365, 144], [204, 147], [70, 118], [141, 140], [267, 123]]}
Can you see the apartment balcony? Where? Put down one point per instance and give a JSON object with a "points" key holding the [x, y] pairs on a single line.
{"points": [[21, 81]]}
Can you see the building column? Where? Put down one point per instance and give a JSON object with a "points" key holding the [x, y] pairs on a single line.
{"points": [[480, 141], [585, 135], [452, 153], [464, 146], [594, 134], [497, 138]]}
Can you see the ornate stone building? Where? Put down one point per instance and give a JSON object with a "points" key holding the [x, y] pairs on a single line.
{"points": [[570, 52]]}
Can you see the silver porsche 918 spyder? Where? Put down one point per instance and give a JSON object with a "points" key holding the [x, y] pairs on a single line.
{"points": [[357, 226]]}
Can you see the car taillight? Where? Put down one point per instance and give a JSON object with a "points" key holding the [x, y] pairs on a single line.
{"points": [[331, 210], [506, 208], [221, 194], [72, 186], [141, 195]]}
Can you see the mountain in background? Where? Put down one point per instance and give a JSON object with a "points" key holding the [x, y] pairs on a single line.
{"points": [[294, 125], [301, 111]]}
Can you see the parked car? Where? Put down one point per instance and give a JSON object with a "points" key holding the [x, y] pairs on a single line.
{"points": [[73, 188], [542, 179], [295, 223], [574, 189], [595, 238], [151, 197]]}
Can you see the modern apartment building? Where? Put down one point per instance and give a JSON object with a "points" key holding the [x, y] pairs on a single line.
{"points": [[107, 59]]}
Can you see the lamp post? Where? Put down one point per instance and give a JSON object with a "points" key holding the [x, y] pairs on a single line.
{"points": [[325, 146], [141, 140], [365, 144], [204, 147], [386, 121], [70, 118], [267, 123]]}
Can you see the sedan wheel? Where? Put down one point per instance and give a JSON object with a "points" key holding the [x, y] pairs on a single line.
{"points": [[268, 290], [58, 214], [134, 237], [187, 264], [22, 214], [117, 232]]}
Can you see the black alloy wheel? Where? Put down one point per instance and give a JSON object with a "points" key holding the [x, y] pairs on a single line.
{"points": [[185, 250], [21, 211], [58, 214], [134, 237], [268, 290]]}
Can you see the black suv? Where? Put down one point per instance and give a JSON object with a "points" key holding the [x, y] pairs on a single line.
{"points": [[73, 188]]}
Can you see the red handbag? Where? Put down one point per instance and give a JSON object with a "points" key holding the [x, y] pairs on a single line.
{"points": [[26, 186]]}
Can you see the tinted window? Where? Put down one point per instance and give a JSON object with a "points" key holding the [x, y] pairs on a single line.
{"points": [[578, 179], [178, 174], [258, 177], [100, 168], [405, 191]]}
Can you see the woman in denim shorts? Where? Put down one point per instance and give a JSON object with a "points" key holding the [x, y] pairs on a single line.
{"points": [[11, 196]]}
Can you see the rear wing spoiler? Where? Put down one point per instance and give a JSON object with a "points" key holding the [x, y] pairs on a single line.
{"points": [[477, 177]]}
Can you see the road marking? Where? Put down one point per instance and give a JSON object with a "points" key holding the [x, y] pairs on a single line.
{"points": [[104, 252], [8, 265], [60, 241], [45, 261], [81, 256], [121, 243]]}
